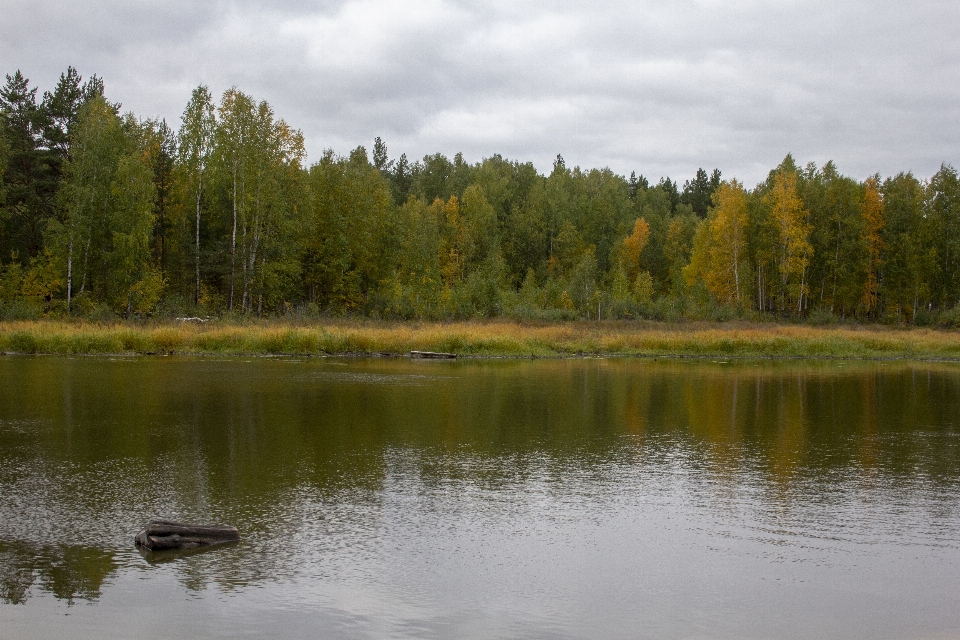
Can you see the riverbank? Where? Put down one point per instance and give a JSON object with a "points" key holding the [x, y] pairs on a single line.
{"points": [[480, 339]]}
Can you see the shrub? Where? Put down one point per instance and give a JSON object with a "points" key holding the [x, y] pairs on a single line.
{"points": [[949, 319], [177, 306], [101, 312], [18, 309], [821, 317]]}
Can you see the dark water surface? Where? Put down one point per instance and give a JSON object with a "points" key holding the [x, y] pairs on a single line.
{"points": [[614, 498]]}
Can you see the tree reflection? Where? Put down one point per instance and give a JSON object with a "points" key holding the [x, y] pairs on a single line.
{"points": [[303, 453], [69, 573]]}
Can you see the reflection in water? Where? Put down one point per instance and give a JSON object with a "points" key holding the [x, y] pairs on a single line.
{"points": [[70, 573], [162, 556], [569, 498]]}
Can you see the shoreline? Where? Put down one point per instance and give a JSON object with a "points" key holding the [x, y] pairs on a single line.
{"points": [[575, 356], [482, 339]]}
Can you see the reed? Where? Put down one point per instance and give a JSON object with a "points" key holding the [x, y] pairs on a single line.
{"points": [[493, 338]]}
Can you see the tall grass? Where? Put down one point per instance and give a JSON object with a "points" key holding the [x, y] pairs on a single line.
{"points": [[493, 338]]}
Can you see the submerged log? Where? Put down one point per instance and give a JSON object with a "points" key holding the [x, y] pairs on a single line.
{"points": [[433, 355], [166, 534]]}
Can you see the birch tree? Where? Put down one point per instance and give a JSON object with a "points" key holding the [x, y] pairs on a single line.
{"points": [[728, 221], [195, 147], [943, 211], [135, 284], [96, 149], [233, 148], [719, 252], [792, 250], [872, 210], [910, 257], [271, 245]]}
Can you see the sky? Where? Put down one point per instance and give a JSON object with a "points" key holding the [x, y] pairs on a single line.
{"points": [[660, 88]]}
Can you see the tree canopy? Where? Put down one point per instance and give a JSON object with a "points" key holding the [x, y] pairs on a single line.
{"points": [[102, 212]]}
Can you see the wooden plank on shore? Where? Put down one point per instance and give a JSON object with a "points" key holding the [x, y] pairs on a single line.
{"points": [[433, 355]]}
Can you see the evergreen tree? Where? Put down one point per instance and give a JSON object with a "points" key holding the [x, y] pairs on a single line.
{"points": [[698, 192], [62, 108], [669, 187], [29, 180], [401, 179], [160, 148], [380, 158], [4, 157]]}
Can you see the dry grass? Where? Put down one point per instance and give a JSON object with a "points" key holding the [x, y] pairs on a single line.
{"points": [[494, 338]]}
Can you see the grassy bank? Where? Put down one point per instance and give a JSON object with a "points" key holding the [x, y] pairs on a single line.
{"points": [[495, 338]]}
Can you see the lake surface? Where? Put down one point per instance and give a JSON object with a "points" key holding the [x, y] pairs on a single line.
{"points": [[597, 498]]}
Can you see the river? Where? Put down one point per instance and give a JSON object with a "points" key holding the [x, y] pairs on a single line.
{"points": [[389, 498]]}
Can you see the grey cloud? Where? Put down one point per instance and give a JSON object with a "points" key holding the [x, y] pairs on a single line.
{"points": [[661, 88]]}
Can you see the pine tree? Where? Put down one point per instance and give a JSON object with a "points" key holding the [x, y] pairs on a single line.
{"points": [[29, 180]]}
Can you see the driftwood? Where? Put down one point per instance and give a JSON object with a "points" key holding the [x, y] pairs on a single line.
{"points": [[433, 355], [165, 534]]}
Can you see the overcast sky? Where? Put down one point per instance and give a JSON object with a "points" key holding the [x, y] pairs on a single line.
{"points": [[658, 87]]}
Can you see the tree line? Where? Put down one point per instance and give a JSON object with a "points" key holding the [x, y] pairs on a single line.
{"points": [[104, 213]]}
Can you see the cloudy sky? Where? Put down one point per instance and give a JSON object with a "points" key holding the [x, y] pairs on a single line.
{"points": [[658, 87]]}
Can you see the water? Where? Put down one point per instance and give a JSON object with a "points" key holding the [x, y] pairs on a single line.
{"points": [[615, 498]]}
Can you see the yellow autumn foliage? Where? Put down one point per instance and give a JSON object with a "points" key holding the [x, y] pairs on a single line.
{"points": [[719, 246], [793, 249], [632, 246]]}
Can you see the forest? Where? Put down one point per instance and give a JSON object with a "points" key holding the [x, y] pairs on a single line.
{"points": [[104, 214]]}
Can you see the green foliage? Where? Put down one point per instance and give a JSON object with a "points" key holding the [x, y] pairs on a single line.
{"points": [[103, 214], [950, 319], [698, 193], [136, 285], [18, 309], [4, 157], [348, 233], [30, 176], [821, 317], [35, 142], [911, 258], [942, 201], [642, 288], [582, 285], [194, 153]]}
